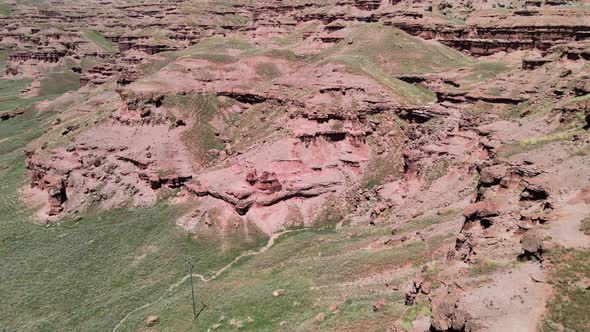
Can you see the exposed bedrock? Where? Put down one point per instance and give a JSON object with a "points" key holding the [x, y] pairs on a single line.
{"points": [[493, 211], [486, 40], [314, 162], [53, 181], [109, 166]]}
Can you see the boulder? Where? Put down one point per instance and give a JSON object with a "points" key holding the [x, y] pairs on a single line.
{"points": [[56, 188], [152, 320], [421, 324], [534, 189], [378, 305], [481, 209], [320, 317], [532, 242], [333, 307], [413, 290], [445, 314], [492, 175]]}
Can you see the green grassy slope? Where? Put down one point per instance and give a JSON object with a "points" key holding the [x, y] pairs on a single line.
{"points": [[98, 39], [83, 275], [5, 9], [3, 54], [53, 84], [382, 52], [315, 269], [87, 274], [568, 310], [399, 53], [58, 82], [9, 91]]}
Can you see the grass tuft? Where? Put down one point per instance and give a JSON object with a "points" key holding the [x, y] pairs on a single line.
{"points": [[568, 310]]}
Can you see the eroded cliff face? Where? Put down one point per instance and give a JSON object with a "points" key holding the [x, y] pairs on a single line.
{"points": [[289, 114], [479, 28]]}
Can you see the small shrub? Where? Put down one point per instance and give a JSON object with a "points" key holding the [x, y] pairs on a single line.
{"points": [[585, 226], [483, 268], [568, 310], [268, 70], [409, 316], [380, 170], [437, 170]]}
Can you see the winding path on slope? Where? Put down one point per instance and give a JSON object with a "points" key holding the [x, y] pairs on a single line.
{"points": [[172, 287]]}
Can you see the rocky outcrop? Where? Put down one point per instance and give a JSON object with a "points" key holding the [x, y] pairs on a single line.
{"points": [[266, 182], [128, 76], [480, 211], [281, 116], [55, 186], [269, 192], [49, 179], [47, 54], [490, 213], [10, 114], [158, 181], [98, 74], [108, 167], [532, 243], [446, 315], [465, 97], [531, 64], [367, 4], [143, 44], [486, 40], [576, 52], [418, 287], [483, 47]]}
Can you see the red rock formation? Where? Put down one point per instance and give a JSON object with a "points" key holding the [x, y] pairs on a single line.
{"points": [[53, 181], [486, 40], [367, 4], [55, 186], [11, 114]]}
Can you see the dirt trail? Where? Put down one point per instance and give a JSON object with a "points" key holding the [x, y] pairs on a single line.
{"points": [[172, 287], [512, 296], [566, 229]]}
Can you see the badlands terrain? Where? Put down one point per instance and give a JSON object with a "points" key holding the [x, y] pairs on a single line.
{"points": [[323, 165]]}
